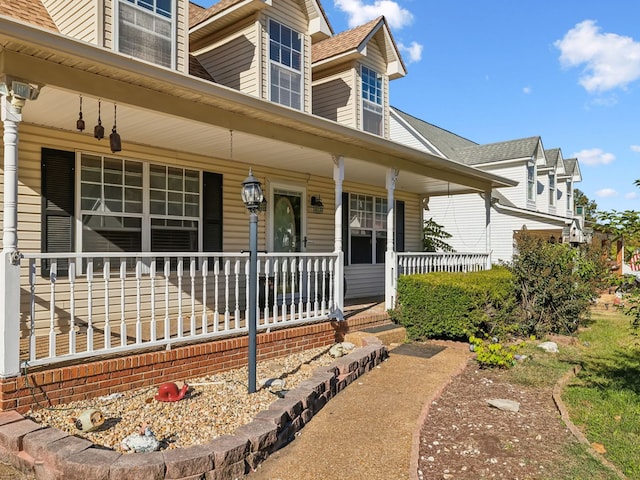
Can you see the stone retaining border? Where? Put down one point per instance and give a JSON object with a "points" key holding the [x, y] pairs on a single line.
{"points": [[55, 455]]}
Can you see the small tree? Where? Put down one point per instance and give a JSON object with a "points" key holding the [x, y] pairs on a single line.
{"points": [[555, 284], [433, 237]]}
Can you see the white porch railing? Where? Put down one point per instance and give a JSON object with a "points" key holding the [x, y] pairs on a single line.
{"points": [[79, 305], [410, 263]]}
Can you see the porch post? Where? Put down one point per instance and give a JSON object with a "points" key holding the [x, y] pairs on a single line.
{"points": [[10, 262], [487, 221], [390, 255], [338, 178]]}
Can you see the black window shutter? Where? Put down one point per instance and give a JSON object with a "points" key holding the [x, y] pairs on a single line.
{"points": [[58, 175], [399, 226], [345, 226], [212, 212]]}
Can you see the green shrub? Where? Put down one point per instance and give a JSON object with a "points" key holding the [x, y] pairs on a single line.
{"points": [[555, 284], [454, 305], [494, 354]]}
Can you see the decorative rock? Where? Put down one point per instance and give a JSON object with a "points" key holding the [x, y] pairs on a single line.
{"points": [[141, 442], [273, 384], [340, 349], [506, 405], [520, 358], [549, 347], [89, 420]]}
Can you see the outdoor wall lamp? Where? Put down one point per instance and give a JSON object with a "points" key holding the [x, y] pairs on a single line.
{"points": [[316, 204], [252, 197]]}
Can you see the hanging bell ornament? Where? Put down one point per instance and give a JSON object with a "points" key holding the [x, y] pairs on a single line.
{"points": [[98, 130], [114, 138], [80, 123]]}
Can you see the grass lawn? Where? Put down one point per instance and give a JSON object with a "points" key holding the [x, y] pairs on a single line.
{"points": [[604, 399]]}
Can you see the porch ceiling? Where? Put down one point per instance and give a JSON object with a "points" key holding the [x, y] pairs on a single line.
{"points": [[170, 110]]}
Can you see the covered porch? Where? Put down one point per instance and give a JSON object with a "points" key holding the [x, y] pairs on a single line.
{"points": [[70, 302]]}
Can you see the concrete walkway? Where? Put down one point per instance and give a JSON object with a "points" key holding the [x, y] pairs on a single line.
{"points": [[371, 429]]}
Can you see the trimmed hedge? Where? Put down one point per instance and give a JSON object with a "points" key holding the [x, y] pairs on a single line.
{"points": [[456, 305]]}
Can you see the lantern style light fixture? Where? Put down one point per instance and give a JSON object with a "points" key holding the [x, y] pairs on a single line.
{"points": [[252, 197], [114, 138], [80, 123], [98, 130]]}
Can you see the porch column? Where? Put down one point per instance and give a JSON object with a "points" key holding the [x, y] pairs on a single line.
{"points": [[390, 255], [338, 178], [487, 222], [10, 262]]}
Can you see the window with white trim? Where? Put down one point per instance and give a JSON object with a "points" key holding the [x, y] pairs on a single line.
{"points": [[531, 182], [367, 228], [115, 217], [552, 189], [286, 65], [372, 113], [569, 195], [146, 30]]}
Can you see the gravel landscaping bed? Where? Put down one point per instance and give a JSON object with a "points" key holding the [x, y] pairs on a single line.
{"points": [[215, 405]]}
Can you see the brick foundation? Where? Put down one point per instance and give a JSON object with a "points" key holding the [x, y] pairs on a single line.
{"points": [[56, 455], [103, 377]]}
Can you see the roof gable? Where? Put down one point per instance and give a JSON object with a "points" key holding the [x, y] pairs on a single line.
{"points": [[524, 148], [29, 11], [353, 43]]}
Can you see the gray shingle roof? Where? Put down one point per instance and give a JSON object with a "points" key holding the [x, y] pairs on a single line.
{"points": [[445, 141], [570, 165], [496, 152]]}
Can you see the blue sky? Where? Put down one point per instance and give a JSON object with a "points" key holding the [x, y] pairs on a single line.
{"points": [[495, 70]]}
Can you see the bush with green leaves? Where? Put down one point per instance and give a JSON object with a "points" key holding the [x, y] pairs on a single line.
{"points": [[455, 305], [555, 284], [494, 354]]}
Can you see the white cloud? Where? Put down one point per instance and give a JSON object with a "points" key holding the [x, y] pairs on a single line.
{"points": [[606, 193], [594, 157], [360, 12], [610, 60], [631, 195], [635, 148], [413, 51], [526, 90]]}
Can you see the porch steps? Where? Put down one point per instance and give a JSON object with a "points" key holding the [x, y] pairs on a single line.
{"points": [[388, 334]]}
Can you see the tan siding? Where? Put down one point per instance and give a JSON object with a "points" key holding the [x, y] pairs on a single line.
{"points": [[234, 62], [291, 14], [333, 98], [77, 19], [182, 42], [108, 23]]}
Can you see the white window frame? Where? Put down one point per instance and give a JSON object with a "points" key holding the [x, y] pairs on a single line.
{"points": [[531, 182], [552, 189], [145, 216], [377, 224], [282, 67], [569, 195], [157, 13], [372, 102]]}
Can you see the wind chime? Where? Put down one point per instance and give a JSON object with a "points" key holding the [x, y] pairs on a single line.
{"points": [[98, 131]]}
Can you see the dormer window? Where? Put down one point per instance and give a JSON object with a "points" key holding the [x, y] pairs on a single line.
{"points": [[285, 57], [552, 189], [372, 118], [531, 182], [146, 30]]}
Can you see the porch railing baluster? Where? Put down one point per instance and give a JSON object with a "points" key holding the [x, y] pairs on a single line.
{"points": [[236, 294], [89, 274], [167, 320], [138, 301], [205, 274], [192, 276], [106, 273], [227, 272], [152, 286], [123, 320], [216, 291], [52, 309], [72, 307], [275, 290], [32, 309], [180, 273]]}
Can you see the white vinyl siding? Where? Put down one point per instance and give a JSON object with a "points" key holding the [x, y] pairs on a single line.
{"points": [[79, 22], [401, 134], [464, 217]]}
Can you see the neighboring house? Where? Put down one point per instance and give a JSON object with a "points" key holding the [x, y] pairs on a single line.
{"points": [[137, 239], [543, 201]]}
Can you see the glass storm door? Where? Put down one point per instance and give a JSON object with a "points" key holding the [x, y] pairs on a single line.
{"points": [[287, 221]]}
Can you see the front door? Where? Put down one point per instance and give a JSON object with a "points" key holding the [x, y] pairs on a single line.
{"points": [[288, 222]]}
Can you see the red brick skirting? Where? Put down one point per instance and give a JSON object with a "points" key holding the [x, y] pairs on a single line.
{"points": [[53, 454], [103, 377]]}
